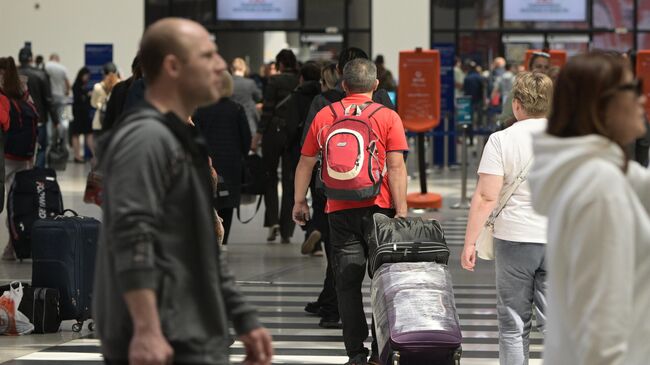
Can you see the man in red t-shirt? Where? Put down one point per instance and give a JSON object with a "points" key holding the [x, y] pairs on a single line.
{"points": [[351, 223]]}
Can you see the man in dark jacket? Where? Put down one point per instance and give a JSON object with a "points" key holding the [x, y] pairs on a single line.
{"points": [[116, 103], [41, 92], [163, 291], [273, 129], [327, 306]]}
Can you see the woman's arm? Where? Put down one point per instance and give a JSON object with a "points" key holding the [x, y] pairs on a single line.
{"points": [[484, 201]]}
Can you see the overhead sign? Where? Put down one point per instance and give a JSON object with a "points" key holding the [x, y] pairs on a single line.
{"points": [[419, 89], [257, 10], [643, 73], [545, 10], [96, 56]]}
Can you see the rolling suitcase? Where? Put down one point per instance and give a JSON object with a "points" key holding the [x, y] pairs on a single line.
{"points": [[411, 239], [415, 314], [34, 195], [63, 251]]}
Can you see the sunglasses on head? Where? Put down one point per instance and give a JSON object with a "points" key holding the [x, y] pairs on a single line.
{"points": [[542, 54], [636, 86]]}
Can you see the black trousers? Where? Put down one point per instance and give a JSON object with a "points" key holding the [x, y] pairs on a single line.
{"points": [[274, 149], [327, 298], [226, 214], [351, 237]]}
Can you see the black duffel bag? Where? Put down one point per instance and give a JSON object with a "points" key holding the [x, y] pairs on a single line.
{"points": [[255, 178], [411, 239]]}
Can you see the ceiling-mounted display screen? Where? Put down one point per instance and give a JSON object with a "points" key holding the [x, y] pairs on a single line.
{"points": [[257, 10], [545, 10]]}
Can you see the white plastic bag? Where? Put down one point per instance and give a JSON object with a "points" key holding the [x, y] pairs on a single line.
{"points": [[12, 322]]}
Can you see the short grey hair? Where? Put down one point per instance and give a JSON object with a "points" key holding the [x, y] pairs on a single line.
{"points": [[359, 76]]}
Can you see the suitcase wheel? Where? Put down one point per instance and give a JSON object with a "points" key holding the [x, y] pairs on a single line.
{"points": [[395, 358], [77, 327], [91, 326]]}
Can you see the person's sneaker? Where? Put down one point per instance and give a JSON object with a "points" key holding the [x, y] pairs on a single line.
{"points": [[317, 253], [224, 248], [310, 242], [274, 230], [285, 240], [313, 308], [9, 254], [357, 360], [331, 322], [374, 360]]}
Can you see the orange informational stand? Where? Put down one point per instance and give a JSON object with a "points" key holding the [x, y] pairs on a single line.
{"points": [[419, 89], [419, 108], [643, 74], [558, 57]]}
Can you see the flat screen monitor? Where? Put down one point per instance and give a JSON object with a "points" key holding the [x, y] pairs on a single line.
{"points": [[545, 10], [257, 10]]}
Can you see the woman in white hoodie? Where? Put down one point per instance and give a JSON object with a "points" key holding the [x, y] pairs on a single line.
{"points": [[596, 202], [520, 234]]}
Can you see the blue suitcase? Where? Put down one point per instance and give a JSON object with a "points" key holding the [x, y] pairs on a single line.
{"points": [[63, 252]]}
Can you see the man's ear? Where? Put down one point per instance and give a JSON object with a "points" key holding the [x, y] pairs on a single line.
{"points": [[376, 85], [344, 86], [171, 65]]}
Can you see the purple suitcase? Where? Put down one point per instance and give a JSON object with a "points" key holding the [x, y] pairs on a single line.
{"points": [[415, 314]]}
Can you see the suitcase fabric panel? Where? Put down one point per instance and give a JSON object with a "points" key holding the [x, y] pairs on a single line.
{"points": [[64, 251], [411, 239], [415, 311]]}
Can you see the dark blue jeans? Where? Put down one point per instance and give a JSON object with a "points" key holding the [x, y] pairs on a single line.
{"points": [[351, 236]]}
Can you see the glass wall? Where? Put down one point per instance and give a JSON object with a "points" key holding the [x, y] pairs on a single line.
{"points": [[479, 31], [323, 27]]}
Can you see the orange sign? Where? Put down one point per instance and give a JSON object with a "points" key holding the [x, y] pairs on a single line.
{"points": [[418, 95], [558, 57], [643, 74]]}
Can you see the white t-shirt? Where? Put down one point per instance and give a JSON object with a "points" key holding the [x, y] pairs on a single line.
{"points": [[58, 74], [506, 154]]}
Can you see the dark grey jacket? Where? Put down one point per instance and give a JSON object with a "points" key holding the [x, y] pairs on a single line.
{"points": [[246, 93], [158, 233]]}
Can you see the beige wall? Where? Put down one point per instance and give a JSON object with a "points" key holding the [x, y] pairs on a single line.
{"points": [[399, 26], [65, 26]]}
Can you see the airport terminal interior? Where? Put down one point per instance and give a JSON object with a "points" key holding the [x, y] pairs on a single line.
{"points": [[477, 39]]}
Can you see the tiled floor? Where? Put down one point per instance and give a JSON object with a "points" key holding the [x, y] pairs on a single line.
{"points": [[280, 281]]}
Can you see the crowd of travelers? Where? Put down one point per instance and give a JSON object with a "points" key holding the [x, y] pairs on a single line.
{"points": [[558, 183]]}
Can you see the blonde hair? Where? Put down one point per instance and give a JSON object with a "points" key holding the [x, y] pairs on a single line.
{"points": [[227, 87], [534, 90], [238, 64], [329, 76]]}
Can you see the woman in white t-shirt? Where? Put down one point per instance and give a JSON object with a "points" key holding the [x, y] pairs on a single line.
{"points": [[519, 233]]}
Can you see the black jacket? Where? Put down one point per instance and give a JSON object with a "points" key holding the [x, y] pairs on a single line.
{"points": [[301, 100], [39, 88], [224, 126], [278, 88], [115, 105]]}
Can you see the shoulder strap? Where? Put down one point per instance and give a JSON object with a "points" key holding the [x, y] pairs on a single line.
{"points": [[334, 106], [373, 108], [257, 209], [507, 194]]}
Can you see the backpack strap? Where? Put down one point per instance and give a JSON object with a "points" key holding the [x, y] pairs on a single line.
{"points": [[335, 106], [373, 108]]}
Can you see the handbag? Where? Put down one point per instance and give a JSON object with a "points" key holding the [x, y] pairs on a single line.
{"points": [[485, 240], [93, 192]]}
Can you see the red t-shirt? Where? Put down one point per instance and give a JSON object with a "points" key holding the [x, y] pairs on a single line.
{"points": [[391, 138]]}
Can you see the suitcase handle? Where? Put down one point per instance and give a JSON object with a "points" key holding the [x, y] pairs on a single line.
{"points": [[74, 214]]}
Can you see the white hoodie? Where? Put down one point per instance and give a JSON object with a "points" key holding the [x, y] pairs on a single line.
{"points": [[598, 251]]}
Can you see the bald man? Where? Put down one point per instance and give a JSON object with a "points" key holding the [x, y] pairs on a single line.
{"points": [[163, 293]]}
